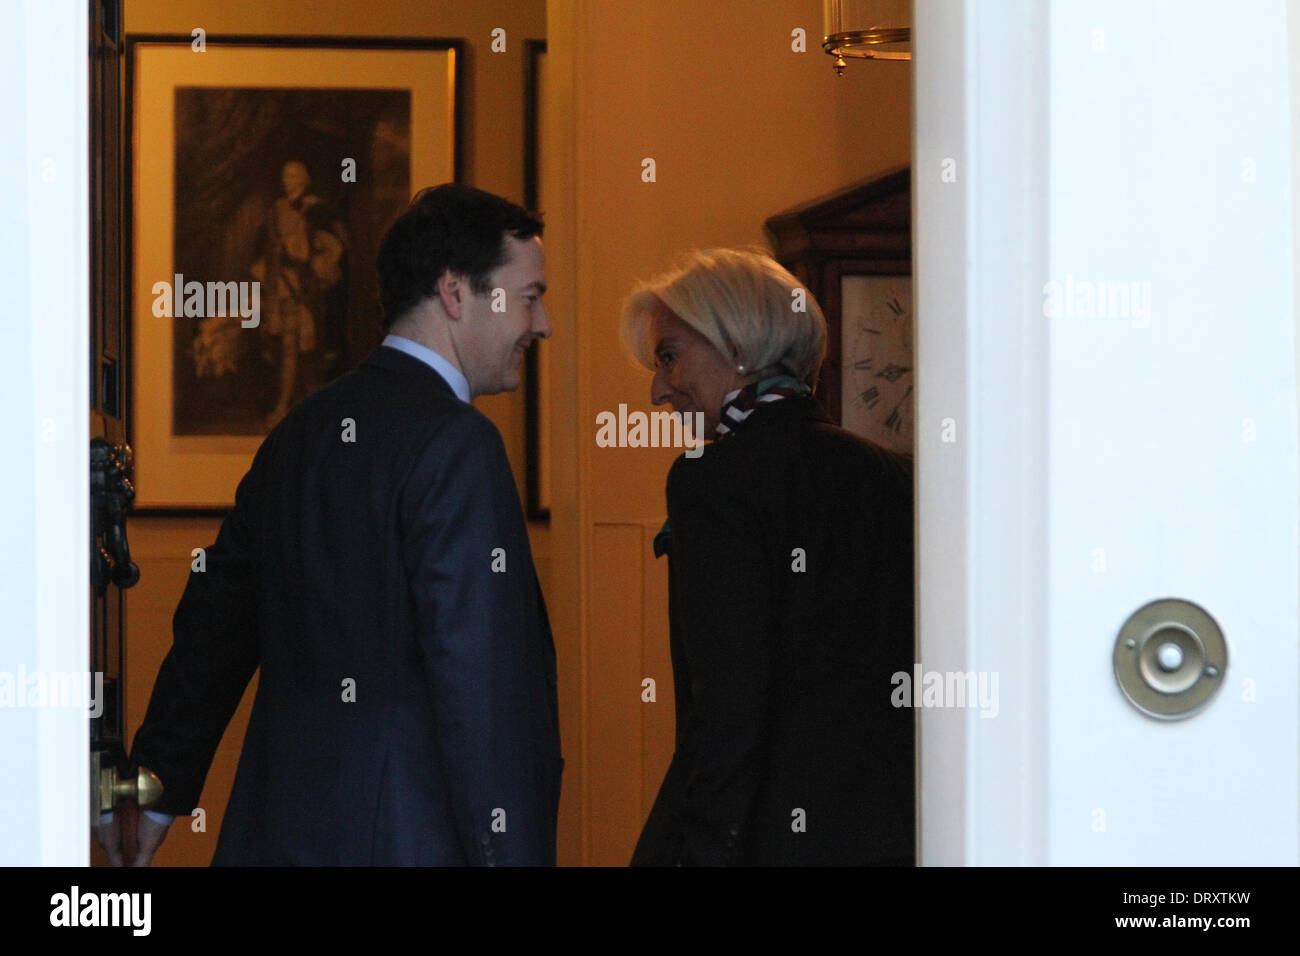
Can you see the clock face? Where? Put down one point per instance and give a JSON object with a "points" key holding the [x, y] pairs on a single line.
{"points": [[878, 398]]}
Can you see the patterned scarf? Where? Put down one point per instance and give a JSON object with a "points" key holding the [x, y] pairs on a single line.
{"points": [[740, 404], [736, 407]]}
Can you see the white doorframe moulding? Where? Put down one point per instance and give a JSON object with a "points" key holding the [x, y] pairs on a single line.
{"points": [[1106, 416], [44, 389]]}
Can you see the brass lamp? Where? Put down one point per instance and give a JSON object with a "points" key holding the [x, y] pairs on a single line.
{"points": [[867, 30]]}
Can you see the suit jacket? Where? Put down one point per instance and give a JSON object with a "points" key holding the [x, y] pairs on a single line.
{"points": [[406, 708], [791, 606]]}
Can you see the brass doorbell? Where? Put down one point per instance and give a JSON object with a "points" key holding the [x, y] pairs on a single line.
{"points": [[1170, 658]]}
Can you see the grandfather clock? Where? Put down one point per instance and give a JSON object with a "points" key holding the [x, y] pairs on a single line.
{"points": [[853, 252]]}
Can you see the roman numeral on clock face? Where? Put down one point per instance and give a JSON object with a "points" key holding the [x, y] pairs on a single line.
{"points": [[892, 373]]}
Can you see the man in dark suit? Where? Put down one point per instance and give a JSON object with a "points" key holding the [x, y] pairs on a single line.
{"points": [[376, 567]]}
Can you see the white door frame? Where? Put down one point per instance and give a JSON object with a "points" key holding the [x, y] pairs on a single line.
{"points": [[1072, 467], [44, 348]]}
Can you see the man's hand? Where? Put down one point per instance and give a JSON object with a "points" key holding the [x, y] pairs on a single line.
{"points": [[109, 836], [130, 836], [148, 837]]}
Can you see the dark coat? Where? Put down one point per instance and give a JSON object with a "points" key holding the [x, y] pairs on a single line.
{"points": [[788, 751], [369, 564]]}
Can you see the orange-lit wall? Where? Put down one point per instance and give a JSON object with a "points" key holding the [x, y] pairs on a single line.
{"points": [[740, 127]]}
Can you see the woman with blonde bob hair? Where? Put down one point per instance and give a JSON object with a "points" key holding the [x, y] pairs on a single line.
{"points": [[789, 543]]}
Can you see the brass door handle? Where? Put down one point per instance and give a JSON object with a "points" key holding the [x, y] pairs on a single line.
{"points": [[144, 788]]}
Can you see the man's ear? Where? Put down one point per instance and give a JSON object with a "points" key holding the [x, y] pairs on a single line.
{"points": [[449, 290]]}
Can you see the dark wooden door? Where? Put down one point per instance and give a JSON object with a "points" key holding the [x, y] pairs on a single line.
{"points": [[111, 570]]}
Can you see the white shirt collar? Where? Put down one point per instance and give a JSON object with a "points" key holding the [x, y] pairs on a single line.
{"points": [[429, 357]]}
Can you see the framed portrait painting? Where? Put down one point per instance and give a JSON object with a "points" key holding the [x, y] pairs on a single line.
{"points": [[263, 173]]}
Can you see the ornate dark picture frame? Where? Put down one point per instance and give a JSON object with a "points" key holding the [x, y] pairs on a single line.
{"points": [[221, 135]]}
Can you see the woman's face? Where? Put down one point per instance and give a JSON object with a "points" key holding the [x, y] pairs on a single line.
{"points": [[689, 372]]}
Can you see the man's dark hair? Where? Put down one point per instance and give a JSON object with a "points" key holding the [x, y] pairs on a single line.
{"points": [[447, 228]]}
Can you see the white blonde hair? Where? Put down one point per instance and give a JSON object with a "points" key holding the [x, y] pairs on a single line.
{"points": [[752, 310]]}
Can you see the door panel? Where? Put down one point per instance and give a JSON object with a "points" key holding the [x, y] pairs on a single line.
{"points": [[1106, 418]]}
